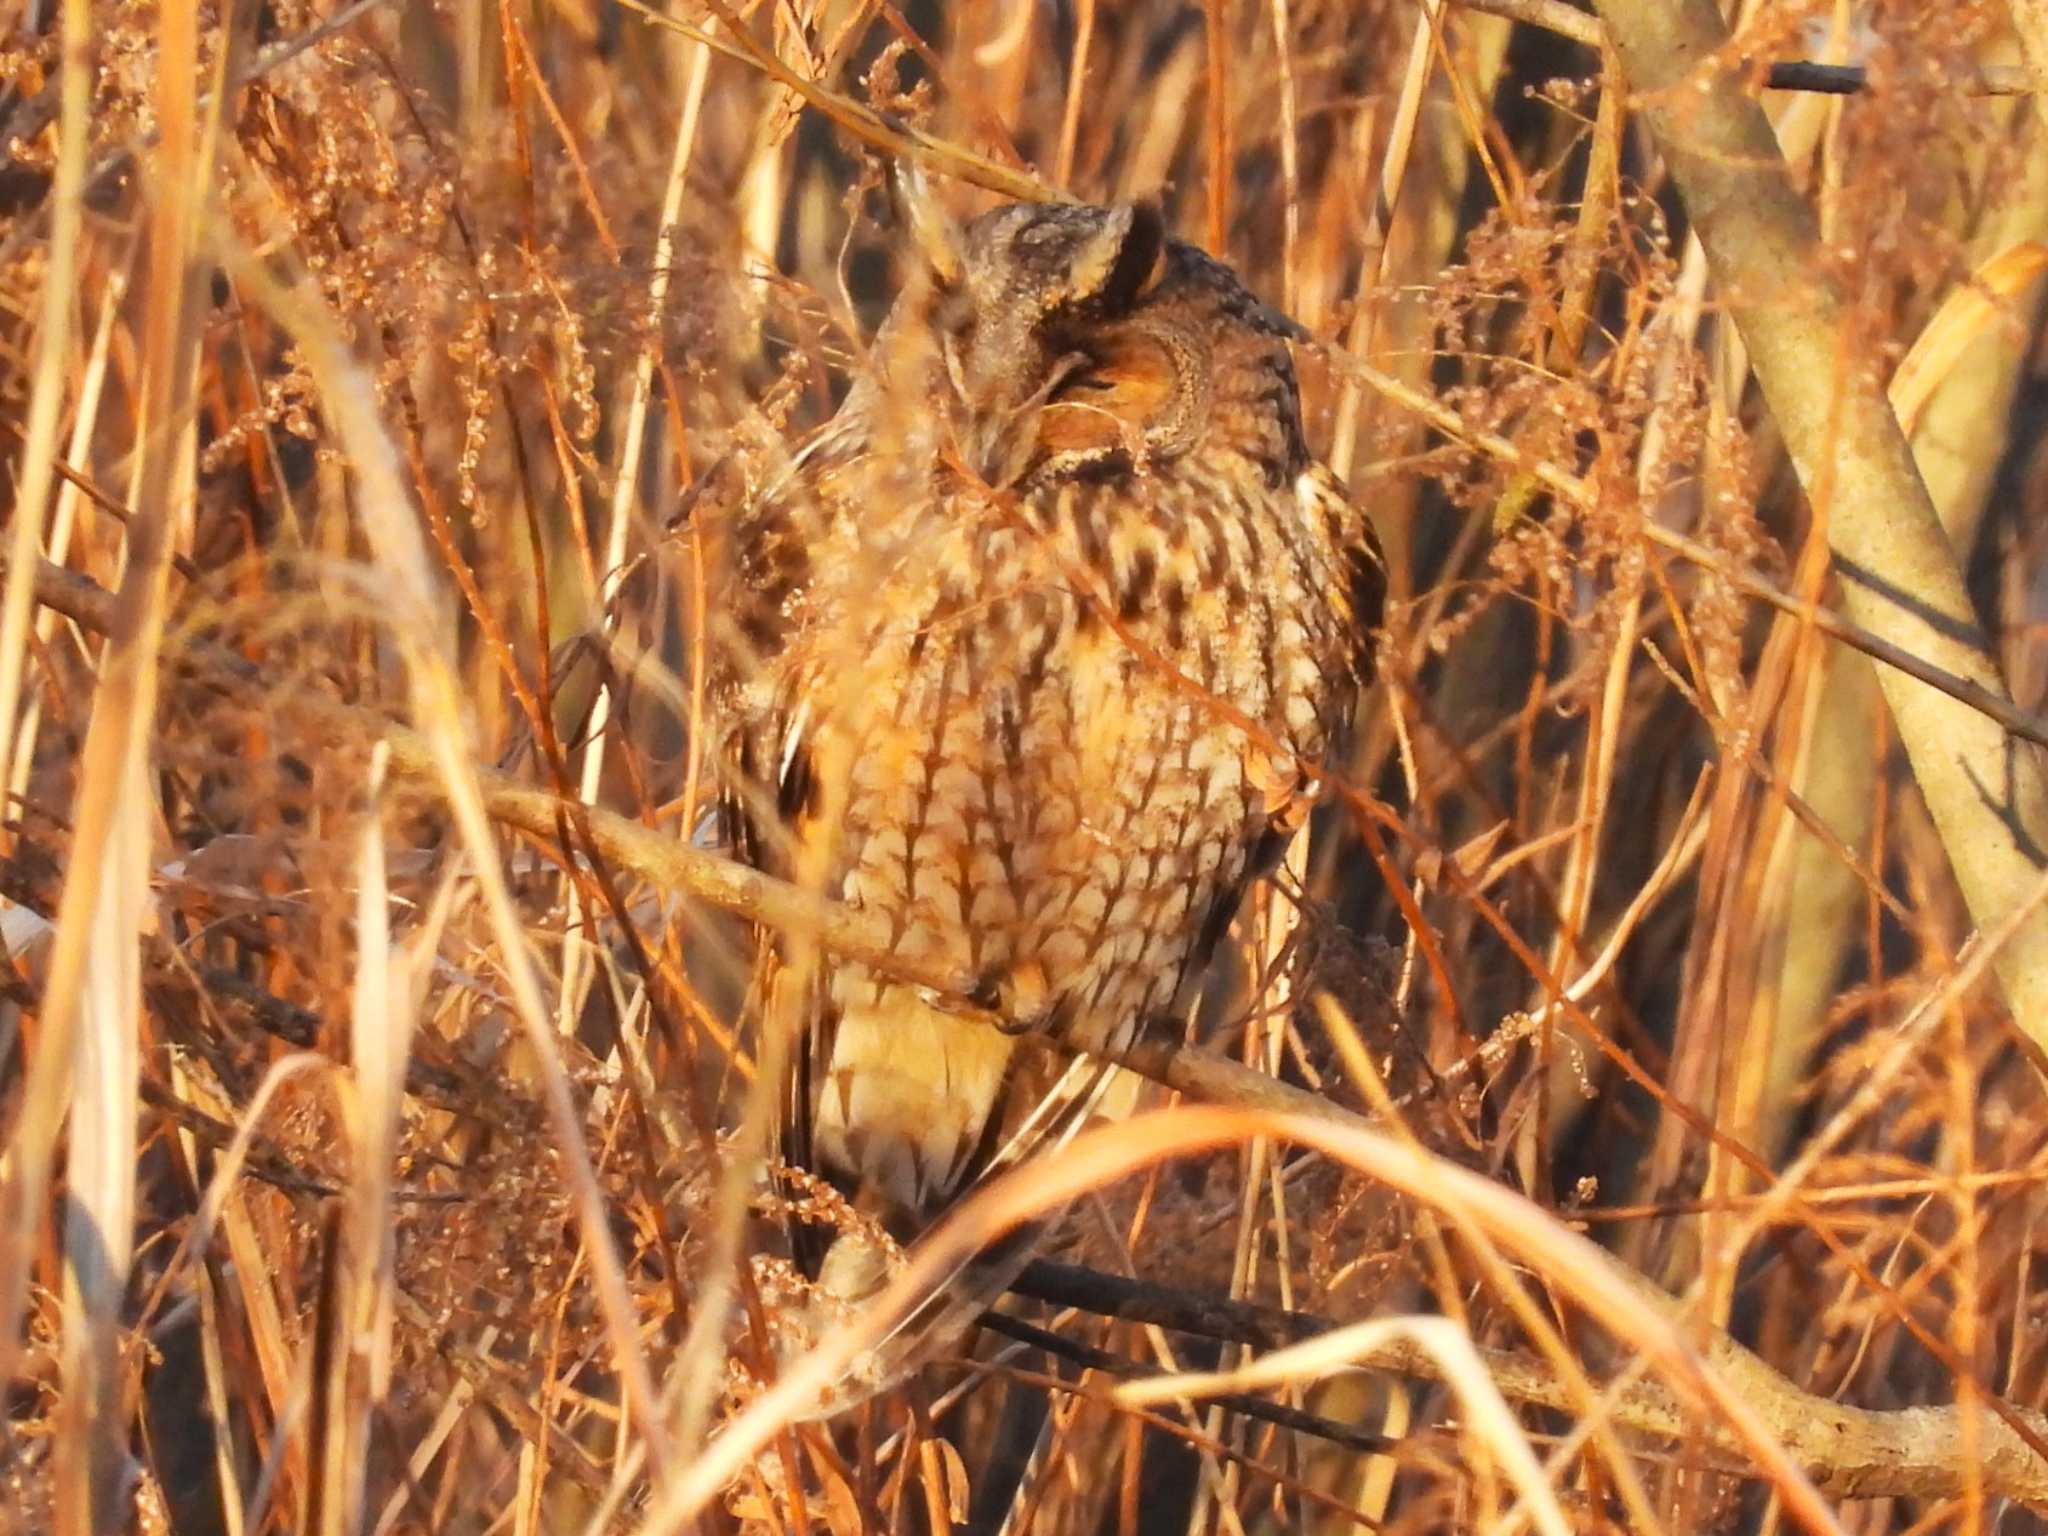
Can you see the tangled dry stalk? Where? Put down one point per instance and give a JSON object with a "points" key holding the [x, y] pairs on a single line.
{"points": [[1621, 1077]]}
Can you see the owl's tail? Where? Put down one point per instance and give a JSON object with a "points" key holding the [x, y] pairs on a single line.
{"points": [[858, 1265]]}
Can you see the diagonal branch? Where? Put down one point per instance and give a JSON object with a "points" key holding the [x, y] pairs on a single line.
{"points": [[1904, 1453], [1910, 1451], [1985, 791]]}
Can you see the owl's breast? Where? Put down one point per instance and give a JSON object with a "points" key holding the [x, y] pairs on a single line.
{"points": [[1044, 742]]}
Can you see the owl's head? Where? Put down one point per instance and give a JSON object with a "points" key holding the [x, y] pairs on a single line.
{"points": [[1076, 340]]}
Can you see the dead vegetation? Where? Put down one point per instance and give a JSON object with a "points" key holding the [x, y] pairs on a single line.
{"points": [[370, 1034]]}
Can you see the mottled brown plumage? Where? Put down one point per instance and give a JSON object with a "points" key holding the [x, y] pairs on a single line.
{"points": [[1028, 650]]}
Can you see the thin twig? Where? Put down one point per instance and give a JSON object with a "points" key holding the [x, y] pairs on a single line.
{"points": [[1243, 1404], [1783, 75]]}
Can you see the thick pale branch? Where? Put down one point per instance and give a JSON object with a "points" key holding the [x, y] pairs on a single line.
{"points": [[1909, 1453], [1985, 791]]}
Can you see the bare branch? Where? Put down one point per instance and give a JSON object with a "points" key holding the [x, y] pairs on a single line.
{"points": [[1986, 793], [1785, 74]]}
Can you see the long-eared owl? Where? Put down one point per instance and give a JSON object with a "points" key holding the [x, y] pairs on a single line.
{"points": [[1033, 650]]}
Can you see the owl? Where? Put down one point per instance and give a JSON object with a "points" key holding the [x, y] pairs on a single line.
{"points": [[1034, 650]]}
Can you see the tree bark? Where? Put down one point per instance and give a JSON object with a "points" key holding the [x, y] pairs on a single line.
{"points": [[1984, 789]]}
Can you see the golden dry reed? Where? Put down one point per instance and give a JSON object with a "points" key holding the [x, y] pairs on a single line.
{"points": [[1626, 1108]]}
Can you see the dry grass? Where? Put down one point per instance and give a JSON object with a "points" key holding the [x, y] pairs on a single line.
{"points": [[364, 1118]]}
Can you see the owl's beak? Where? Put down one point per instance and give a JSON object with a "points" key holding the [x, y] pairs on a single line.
{"points": [[1001, 444], [1002, 440]]}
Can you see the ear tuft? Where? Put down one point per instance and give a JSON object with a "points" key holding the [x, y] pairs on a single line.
{"points": [[934, 233], [1122, 259]]}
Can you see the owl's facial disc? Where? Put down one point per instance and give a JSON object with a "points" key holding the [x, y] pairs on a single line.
{"points": [[1043, 338], [1126, 398]]}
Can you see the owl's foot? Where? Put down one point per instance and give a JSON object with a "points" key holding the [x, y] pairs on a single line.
{"points": [[857, 1268]]}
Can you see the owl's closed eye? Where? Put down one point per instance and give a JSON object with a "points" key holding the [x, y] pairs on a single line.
{"points": [[1121, 392]]}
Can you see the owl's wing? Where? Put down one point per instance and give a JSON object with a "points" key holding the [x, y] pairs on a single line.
{"points": [[767, 563], [1346, 632], [1358, 589]]}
